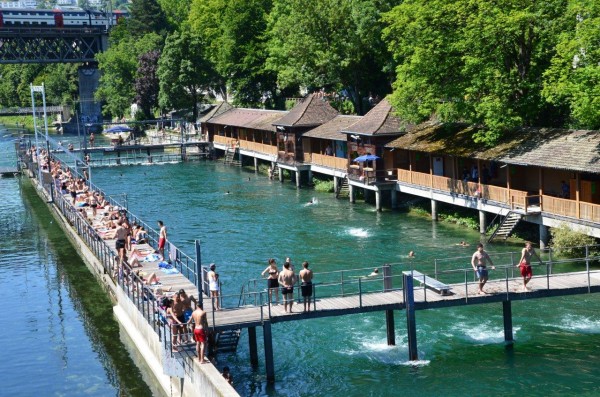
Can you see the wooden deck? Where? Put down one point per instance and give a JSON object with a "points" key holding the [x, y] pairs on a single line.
{"points": [[8, 171], [497, 291]]}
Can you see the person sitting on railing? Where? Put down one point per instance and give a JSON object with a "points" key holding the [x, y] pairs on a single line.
{"points": [[141, 236]]}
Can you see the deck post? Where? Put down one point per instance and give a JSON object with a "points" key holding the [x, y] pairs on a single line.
{"points": [[394, 199], [298, 178], [149, 156], [336, 182], [411, 328], [378, 200], [389, 326], [482, 222], [309, 177], [387, 277], [252, 345], [543, 236], [434, 214], [255, 164], [268, 340], [508, 328], [199, 280], [351, 193], [280, 175], [118, 157]]}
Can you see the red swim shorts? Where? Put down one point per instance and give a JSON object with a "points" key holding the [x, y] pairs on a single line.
{"points": [[526, 270], [199, 335], [161, 242]]}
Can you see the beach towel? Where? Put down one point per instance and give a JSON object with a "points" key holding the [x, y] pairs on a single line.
{"points": [[170, 271], [151, 258], [172, 252]]}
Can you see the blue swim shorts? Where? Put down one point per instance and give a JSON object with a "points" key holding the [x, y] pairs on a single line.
{"points": [[482, 272]]}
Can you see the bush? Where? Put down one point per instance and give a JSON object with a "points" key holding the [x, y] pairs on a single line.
{"points": [[323, 186], [569, 243]]}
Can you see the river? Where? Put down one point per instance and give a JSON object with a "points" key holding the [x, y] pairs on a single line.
{"points": [[461, 350]]}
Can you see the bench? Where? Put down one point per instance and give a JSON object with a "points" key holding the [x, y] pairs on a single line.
{"points": [[430, 282]]}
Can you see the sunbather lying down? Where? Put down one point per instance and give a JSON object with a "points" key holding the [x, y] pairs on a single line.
{"points": [[151, 280]]}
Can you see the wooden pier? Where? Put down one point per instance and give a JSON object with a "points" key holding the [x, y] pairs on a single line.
{"points": [[9, 171]]}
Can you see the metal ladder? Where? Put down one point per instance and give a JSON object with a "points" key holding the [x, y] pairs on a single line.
{"points": [[506, 226]]}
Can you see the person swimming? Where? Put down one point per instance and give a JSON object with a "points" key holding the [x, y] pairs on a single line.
{"points": [[312, 201], [462, 244]]}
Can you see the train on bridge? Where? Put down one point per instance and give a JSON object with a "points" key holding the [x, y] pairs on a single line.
{"points": [[57, 18]]}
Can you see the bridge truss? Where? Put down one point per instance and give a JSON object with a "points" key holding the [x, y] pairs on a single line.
{"points": [[45, 45]]}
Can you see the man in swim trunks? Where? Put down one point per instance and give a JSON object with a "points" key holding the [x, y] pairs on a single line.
{"points": [[525, 263], [306, 276], [200, 327], [162, 239], [121, 236], [287, 279], [178, 309], [479, 262]]}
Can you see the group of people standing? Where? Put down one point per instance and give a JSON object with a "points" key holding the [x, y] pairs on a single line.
{"points": [[285, 280], [480, 260]]}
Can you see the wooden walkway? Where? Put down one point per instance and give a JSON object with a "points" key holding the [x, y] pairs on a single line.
{"points": [[497, 291], [8, 171]]}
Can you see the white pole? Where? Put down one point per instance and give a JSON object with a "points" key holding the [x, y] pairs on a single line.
{"points": [[37, 147], [45, 115]]}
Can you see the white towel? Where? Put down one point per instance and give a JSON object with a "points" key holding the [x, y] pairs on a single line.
{"points": [[172, 252]]}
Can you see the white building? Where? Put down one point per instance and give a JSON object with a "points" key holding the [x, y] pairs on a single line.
{"points": [[19, 4]]}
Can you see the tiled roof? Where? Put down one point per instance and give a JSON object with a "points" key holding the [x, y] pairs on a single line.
{"points": [[573, 150], [333, 128], [310, 111], [216, 111], [379, 121], [257, 119]]}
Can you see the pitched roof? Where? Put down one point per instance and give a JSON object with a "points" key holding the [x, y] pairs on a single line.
{"points": [[216, 111], [257, 119], [573, 150], [333, 128], [379, 121], [310, 111]]}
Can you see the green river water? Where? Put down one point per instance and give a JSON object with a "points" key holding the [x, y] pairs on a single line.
{"points": [[461, 350]]}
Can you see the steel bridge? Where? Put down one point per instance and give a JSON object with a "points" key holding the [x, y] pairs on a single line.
{"points": [[51, 45]]}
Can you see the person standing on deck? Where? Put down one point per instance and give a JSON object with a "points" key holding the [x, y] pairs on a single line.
{"points": [[121, 240], [287, 279], [162, 239], [525, 263], [306, 276], [213, 286], [92, 139], [479, 262], [200, 327], [272, 283]]}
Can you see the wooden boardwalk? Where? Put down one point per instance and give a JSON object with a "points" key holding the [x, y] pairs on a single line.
{"points": [[8, 171], [497, 291]]}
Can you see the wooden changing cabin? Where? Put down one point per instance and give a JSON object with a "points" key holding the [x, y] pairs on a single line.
{"points": [[545, 176]]}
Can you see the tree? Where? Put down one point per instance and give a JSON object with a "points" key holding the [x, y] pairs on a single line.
{"points": [[183, 72], [176, 11], [146, 16], [119, 65], [242, 52], [475, 61], [573, 78], [330, 43], [146, 82]]}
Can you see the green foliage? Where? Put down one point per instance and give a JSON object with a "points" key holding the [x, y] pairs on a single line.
{"points": [[447, 214], [119, 66], [147, 16], [343, 106], [569, 243], [325, 186], [290, 103], [183, 72], [176, 11], [333, 43], [476, 61], [573, 78]]}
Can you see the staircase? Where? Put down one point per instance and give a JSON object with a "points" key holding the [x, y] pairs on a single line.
{"points": [[342, 189], [275, 172], [231, 156], [227, 341], [506, 226]]}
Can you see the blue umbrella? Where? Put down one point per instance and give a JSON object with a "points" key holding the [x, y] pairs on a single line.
{"points": [[118, 128], [366, 157]]}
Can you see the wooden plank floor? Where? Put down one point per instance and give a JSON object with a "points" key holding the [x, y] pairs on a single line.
{"points": [[560, 284]]}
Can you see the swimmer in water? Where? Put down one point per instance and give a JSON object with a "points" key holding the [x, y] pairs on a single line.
{"points": [[227, 192], [411, 254], [463, 244]]}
